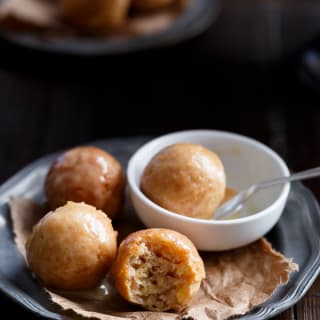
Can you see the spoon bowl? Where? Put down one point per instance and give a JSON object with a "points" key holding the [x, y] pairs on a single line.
{"points": [[246, 161]]}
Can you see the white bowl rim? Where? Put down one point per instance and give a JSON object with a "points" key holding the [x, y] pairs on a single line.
{"points": [[198, 132]]}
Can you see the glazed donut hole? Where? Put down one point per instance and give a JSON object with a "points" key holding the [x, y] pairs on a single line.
{"points": [[185, 178], [86, 174], [72, 248]]}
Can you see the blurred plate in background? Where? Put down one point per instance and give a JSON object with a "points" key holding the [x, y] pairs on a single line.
{"points": [[195, 19]]}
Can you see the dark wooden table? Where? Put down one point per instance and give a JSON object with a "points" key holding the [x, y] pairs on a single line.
{"points": [[50, 102]]}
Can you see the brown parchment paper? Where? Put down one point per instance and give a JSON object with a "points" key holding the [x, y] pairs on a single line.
{"points": [[44, 16], [236, 280]]}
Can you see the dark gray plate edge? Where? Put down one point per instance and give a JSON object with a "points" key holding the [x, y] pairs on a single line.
{"points": [[26, 301], [187, 26]]}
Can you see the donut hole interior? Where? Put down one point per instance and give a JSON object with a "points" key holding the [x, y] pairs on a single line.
{"points": [[157, 278]]}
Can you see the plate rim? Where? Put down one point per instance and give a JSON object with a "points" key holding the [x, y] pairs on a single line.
{"points": [[187, 26]]}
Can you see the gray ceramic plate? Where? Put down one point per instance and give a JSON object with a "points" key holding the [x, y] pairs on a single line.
{"points": [[296, 235], [199, 15]]}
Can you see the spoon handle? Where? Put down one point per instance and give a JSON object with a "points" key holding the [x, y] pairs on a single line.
{"points": [[235, 204], [310, 173]]}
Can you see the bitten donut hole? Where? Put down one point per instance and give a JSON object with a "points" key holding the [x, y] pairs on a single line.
{"points": [[158, 269]]}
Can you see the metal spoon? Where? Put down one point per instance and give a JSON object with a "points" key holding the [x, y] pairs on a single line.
{"points": [[236, 203]]}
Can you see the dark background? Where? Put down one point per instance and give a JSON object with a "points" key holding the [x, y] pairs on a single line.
{"points": [[52, 102]]}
